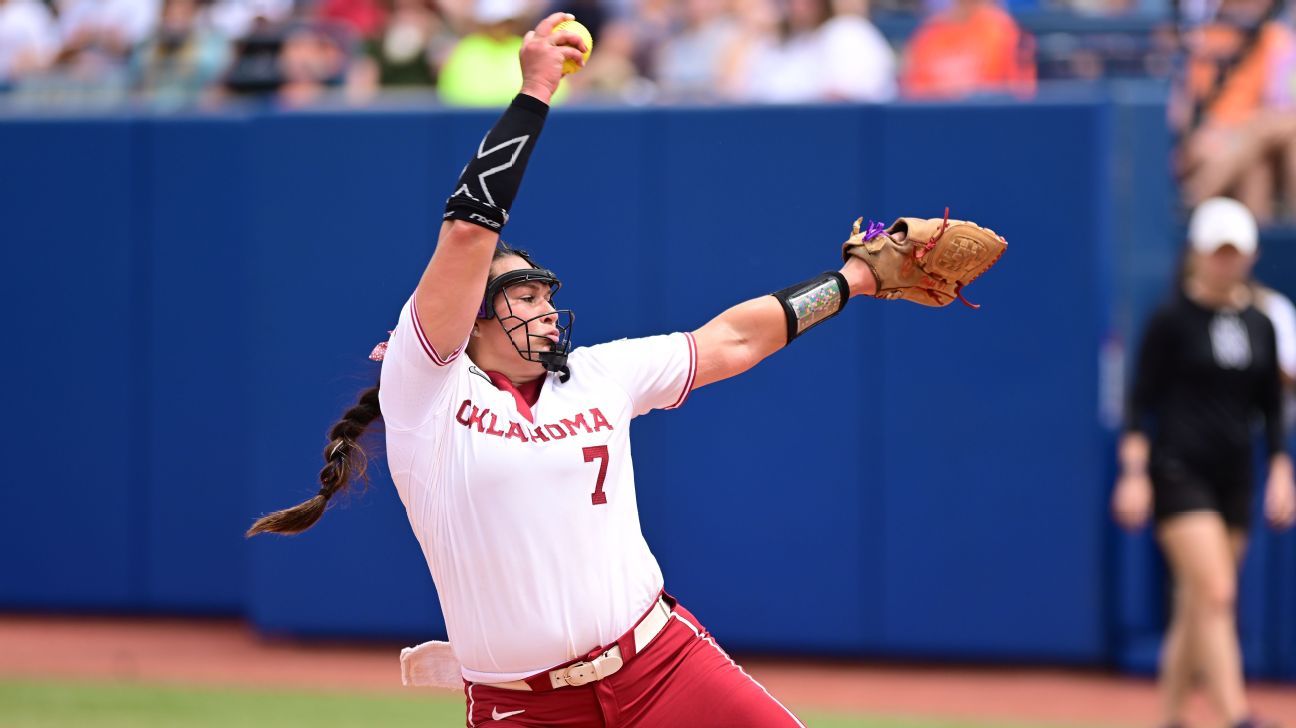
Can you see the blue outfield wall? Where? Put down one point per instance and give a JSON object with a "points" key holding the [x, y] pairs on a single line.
{"points": [[903, 482], [73, 299], [197, 363], [1270, 576]]}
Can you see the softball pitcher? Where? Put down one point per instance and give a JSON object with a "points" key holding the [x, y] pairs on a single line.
{"points": [[511, 451]]}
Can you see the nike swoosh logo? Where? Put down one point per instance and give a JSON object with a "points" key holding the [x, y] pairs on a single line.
{"points": [[496, 715]]}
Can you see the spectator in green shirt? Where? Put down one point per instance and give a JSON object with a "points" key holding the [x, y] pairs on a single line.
{"points": [[482, 70]]}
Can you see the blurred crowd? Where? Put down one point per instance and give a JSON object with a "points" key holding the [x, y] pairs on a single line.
{"points": [[1234, 109], [176, 53], [1232, 62]]}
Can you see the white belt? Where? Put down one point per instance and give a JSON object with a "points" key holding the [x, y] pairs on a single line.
{"points": [[606, 664]]}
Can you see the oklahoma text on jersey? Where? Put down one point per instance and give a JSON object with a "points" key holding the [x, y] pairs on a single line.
{"points": [[487, 422]]}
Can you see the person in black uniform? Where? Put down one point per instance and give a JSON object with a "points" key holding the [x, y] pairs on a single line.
{"points": [[1207, 370]]}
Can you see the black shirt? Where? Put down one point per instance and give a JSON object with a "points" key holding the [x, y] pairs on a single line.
{"points": [[1203, 376]]}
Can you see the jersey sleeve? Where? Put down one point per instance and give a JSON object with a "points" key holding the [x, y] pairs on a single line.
{"points": [[1152, 372], [656, 372], [417, 381], [1269, 390]]}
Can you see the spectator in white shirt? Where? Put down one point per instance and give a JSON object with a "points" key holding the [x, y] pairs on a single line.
{"points": [[860, 64], [28, 39], [109, 27], [823, 51], [689, 62]]}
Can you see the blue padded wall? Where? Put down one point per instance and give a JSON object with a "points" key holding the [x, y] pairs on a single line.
{"points": [[1144, 202], [1277, 268], [198, 434], [990, 472], [756, 499], [71, 509], [903, 481], [340, 229]]}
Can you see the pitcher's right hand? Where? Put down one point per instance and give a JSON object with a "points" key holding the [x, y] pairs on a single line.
{"points": [[543, 53]]}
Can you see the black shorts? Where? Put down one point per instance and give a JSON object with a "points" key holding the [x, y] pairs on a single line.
{"points": [[1180, 487]]}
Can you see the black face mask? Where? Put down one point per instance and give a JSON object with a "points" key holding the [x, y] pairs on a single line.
{"points": [[554, 358]]}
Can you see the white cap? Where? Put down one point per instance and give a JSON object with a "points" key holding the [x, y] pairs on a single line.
{"points": [[489, 12], [1221, 221]]}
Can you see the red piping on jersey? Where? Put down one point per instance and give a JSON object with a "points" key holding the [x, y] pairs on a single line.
{"points": [[688, 384], [526, 395], [427, 345]]}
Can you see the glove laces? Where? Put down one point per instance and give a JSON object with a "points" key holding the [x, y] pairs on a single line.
{"points": [[927, 246], [959, 292]]}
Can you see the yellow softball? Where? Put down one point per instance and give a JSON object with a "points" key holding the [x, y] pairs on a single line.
{"points": [[573, 26]]}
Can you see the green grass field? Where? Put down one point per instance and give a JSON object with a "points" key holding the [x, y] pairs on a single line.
{"points": [[40, 704]]}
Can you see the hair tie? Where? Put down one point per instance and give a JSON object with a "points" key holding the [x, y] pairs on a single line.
{"points": [[380, 350]]}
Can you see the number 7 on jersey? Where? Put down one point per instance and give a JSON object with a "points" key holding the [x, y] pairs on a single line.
{"points": [[600, 453]]}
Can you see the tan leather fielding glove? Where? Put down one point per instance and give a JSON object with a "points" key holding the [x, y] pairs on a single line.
{"points": [[930, 262]]}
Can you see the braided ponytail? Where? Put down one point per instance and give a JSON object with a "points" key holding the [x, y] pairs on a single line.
{"points": [[344, 461]]}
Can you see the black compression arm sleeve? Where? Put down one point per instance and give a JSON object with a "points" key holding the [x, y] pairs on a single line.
{"points": [[491, 179]]}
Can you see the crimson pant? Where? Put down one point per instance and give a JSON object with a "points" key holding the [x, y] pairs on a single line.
{"points": [[682, 678]]}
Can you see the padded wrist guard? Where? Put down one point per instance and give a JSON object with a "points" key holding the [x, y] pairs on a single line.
{"points": [[490, 181], [809, 303]]}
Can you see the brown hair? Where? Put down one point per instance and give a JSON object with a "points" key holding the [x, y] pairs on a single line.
{"points": [[345, 459]]}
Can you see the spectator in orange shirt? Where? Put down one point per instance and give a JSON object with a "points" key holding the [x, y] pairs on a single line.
{"points": [[1235, 110], [973, 47]]}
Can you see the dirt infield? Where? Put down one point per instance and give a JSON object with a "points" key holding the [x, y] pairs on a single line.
{"points": [[227, 652]]}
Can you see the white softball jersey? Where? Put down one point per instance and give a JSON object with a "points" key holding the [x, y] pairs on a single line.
{"points": [[528, 523]]}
